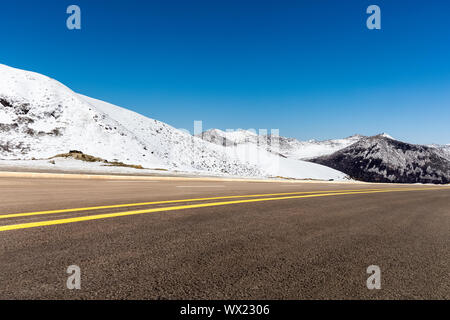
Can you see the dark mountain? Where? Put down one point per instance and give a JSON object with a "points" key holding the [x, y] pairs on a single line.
{"points": [[383, 159]]}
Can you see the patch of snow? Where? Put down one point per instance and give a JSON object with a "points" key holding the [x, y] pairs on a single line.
{"points": [[5, 118], [385, 135]]}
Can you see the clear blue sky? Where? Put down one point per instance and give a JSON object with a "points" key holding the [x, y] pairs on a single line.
{"points": [[310, 68]]}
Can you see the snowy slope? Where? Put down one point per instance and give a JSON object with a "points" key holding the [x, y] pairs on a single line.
{"points": [[288, 147], [296, 149], [40, 117], [443, 149]]}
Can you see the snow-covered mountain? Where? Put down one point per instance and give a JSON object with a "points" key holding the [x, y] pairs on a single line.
{"points": [[305, 150], [40, 118], [444, 149], [287, 147], [382, 159]]}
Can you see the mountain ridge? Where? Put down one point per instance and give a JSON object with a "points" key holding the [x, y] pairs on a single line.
{"points": [[285, 146], [383, 159]]}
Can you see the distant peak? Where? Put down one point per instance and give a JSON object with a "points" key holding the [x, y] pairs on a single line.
{"points": [[385, 135], [356, 136], [215, 131]]}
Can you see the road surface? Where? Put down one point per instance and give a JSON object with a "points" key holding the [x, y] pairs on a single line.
{"points": [[222, 240]]}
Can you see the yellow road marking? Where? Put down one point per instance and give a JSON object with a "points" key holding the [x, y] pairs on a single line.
{"points": [[192, 206], [27, 214]]}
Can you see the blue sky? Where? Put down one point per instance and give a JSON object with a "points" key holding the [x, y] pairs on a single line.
{"points": [[309, 68]]}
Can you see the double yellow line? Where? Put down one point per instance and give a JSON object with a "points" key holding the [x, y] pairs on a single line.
{"points": [[260, 198]]}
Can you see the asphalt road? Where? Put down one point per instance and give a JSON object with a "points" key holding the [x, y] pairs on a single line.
{"points": [[273, 241]]}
